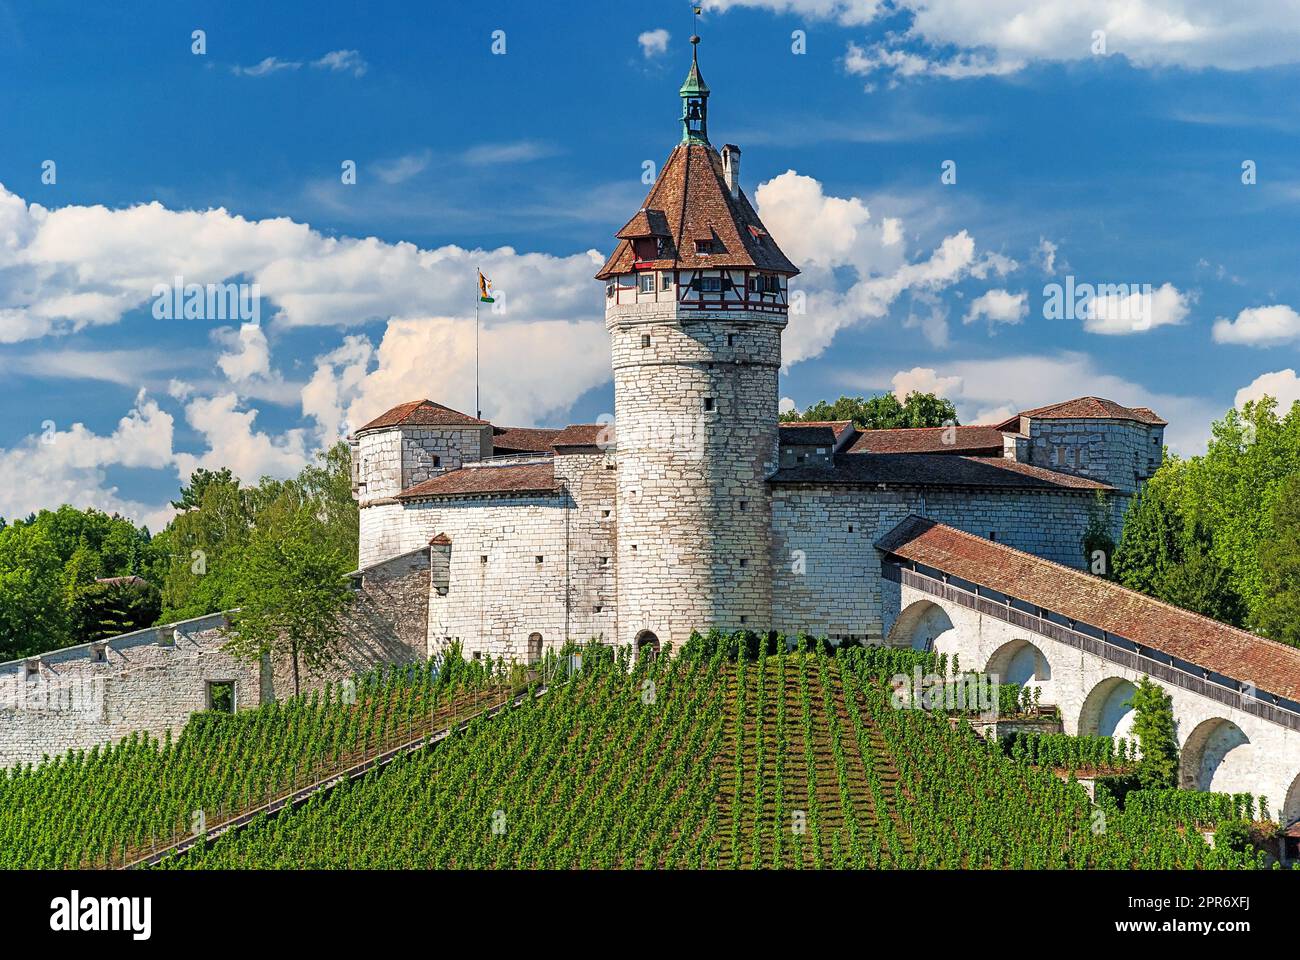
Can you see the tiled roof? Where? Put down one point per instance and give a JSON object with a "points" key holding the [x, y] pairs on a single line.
{"points": [[837, 426], [935, 469], [578, 435], [1081, 408], [972, 440], [523, 439], [522, 478], [692, 202], [1215, 646], [423, 413], [806, 435]]}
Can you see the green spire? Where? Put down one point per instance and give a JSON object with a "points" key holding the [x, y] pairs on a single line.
{"points": [[695, 101]]}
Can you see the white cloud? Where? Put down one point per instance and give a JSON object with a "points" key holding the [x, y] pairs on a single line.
{"points": [[69, 465], [785, 405], [654, 43], [433, 357], [265, 67], [343, 61], [993, 34], [998, 306], [519, 151], [403, 168], [78, 266], [1045, 255], [246, 362], [1259, 326], [826, 234], [233, 442], [904, 65], [1282, 385], [1136, 312], [924, 380]]}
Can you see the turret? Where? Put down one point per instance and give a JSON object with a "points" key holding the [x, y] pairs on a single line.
{"points": [[696, 299]]}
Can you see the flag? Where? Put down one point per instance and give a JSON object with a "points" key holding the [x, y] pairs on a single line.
{"points": [[485, 289]]}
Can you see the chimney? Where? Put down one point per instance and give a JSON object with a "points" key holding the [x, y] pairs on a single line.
{"points": [[731, 168]]}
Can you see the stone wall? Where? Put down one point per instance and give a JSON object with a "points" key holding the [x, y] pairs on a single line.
{"points": [[1118, 452], [695, 401], [826, 569]]}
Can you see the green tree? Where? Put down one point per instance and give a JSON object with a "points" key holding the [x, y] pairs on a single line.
{"points": [[292, 594], [1153, 725], [1098, 544], [108, 608], [881, 412], [1151, 541], [1201, 583], [200, 480], [1279, 562], [33, 611]]}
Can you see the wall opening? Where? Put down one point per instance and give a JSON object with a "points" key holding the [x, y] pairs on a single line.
{"points": [[647, 644], [534, 648], [221, 695]]}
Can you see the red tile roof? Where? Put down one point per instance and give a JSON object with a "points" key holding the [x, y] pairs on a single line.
{"points": [[521, 478], [578, 435], [935, 469], [690, 201], [806, 435], [1270, 666], [423, 413], [970, 440], [837, 426], [523, 439], [1083, 408], [440, 540]]}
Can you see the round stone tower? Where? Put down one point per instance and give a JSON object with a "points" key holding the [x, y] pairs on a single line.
{"points": [[695, 302]]}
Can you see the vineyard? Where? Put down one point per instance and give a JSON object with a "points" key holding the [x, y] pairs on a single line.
{"points": [[720, 757]]}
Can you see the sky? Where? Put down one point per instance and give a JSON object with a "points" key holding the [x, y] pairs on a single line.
{"points": [[945, 173]]}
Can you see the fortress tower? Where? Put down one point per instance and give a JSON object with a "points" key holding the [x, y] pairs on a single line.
{"points": [[695, 302]]}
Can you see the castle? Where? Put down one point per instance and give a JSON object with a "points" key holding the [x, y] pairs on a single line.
{"points": [[696, 508]]}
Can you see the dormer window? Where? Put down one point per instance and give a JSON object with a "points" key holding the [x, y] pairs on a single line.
{"points": [[704, 247]]}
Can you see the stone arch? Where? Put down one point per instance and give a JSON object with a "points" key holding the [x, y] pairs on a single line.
{"points": [[647, 644], [1020, 661], [1205, 754], [534, 648], [1291, 805], [1108, 709], [918, 626]]}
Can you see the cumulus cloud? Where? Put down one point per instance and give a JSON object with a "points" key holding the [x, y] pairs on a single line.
{"points": [[1282, 385], [234, 442], [992, 36], [654, 43], [924, 380], [246, 362], [1136, 312], [70, 465], [78, 266], [1259, 326], [832, 238], [998, 306]]}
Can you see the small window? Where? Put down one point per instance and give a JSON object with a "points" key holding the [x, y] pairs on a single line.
{"points": [[478, 654], [634, 548], [604, 514], [646, 282], [597, 608], [850, 528], [482, 558], [534, 647], [609, 289], [538, 558], [744, 505], [711, 284], [437, 461], [993, 534], [704, 246], [645, 339], [604, 561], [744, 619], [708, 403], [33, 669], [731, 339], [665, 281], [99, 653], [744, 562], [221, 695]]}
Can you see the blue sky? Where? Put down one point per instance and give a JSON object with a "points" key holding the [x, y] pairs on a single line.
{"points": [[1115, 167]]}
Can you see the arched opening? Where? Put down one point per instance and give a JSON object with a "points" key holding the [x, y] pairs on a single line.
{"points": [[1023, 663], [1108, 709], [919, 626], [534, 648], [1215, 756], [647, 644], [1291, 805]]}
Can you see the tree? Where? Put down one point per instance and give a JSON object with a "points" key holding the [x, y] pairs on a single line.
{"points": [[1279, 562], [1201, 583], [882, 412], [1153, 725], [108, 608], [292, 594], [200, 480], [1151, 541], [1098, 544], [33, 613]]}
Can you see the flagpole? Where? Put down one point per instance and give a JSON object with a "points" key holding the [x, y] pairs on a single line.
{"points": [[478, 409]]}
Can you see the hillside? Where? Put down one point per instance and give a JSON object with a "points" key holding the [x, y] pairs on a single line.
{"points": [[700, 760]]}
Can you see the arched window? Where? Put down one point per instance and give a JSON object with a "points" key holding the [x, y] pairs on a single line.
{"points": [[647, 644], [534, 647]]}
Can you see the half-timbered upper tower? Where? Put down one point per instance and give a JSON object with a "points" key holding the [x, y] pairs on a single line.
{"points": [[695, 302]]}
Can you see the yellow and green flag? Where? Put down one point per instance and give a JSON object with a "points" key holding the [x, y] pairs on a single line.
{"points": [[485, 289]]}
